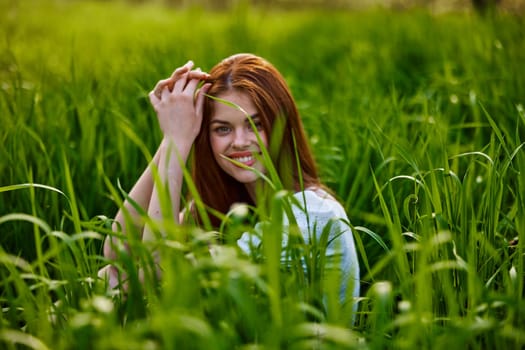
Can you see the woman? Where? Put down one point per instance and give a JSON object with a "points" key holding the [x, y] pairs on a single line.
{"points": [[230, 117]]}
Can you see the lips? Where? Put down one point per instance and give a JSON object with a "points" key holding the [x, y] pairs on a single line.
{"points": [[245, 158]]}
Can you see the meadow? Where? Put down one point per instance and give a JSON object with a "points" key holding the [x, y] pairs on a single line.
{"points": [[417, 121]]}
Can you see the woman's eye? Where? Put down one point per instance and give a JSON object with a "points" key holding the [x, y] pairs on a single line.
{"points": [[222, 130], [258, 126]]}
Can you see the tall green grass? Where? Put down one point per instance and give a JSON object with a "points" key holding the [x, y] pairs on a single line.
{"points": [[417, 123]]}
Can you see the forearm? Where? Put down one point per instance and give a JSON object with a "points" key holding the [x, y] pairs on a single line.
{"points": [[178, 102], [128, 214], [172, 159]]}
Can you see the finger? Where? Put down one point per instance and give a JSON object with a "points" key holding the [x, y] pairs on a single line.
{"points": [[194, 78], [181, 77], [169, 82], [177, 74], [201, 94], [160, 85], [180, 83], [186, 67], [153, 98], [191, 87], [192, 84], [165, 93], [198, 74]]}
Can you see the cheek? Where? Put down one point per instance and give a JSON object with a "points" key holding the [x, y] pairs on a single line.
{"points": [[264, 139]]}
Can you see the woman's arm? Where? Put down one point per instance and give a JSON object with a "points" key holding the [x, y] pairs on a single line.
{"points": [[141, 194], [179, 110], [172, 157]]}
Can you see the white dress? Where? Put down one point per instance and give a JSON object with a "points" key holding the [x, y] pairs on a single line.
{"points": [[313, 211]]}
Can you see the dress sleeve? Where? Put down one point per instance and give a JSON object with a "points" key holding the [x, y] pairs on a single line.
{"points": [[322, 223]]}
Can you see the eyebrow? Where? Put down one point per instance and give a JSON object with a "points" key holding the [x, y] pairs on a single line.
{"points": [[254, 116]]}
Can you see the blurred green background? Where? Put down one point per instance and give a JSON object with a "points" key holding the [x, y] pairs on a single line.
{"points": [[75, 77], [415, 111]]}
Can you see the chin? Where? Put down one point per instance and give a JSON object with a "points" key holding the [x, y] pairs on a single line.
{"points": [[242, 175], [245, 179]]}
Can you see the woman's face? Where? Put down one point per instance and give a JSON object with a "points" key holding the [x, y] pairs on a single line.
{"points": [[232, 137]]}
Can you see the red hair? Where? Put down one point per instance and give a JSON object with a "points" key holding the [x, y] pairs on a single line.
{"points": [[270, 94]]}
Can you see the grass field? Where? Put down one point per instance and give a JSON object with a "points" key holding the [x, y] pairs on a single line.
{"points": [[417, 122]]}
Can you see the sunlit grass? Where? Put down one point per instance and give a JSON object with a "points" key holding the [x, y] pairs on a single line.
{"points": [[417, 123]]}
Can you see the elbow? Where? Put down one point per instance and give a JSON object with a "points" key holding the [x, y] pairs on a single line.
{"points": [[110, 247], [107, 249]]}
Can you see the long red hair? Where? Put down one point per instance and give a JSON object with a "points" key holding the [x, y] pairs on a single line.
{"points": [[271, 96]]}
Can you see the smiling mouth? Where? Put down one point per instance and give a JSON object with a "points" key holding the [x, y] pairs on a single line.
{"points": [[246, 159]]}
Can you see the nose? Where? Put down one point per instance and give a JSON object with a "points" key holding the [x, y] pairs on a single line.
{"points": [[241, 139]]}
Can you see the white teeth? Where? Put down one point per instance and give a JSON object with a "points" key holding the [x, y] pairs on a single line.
{"points": [[244, 159]]}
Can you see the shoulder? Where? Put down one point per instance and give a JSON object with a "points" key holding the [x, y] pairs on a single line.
{"points": [[318, 203], [315, 210]]}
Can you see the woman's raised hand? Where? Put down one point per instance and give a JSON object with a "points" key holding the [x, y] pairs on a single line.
{"points": [[178, 103]]}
